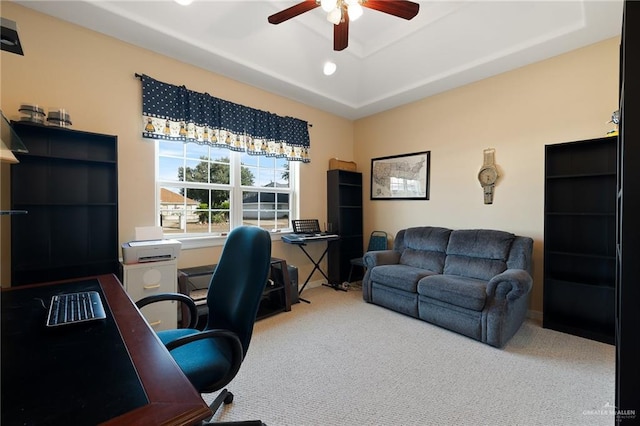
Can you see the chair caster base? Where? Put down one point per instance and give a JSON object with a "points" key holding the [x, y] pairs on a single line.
{"points": [[226, 397]]}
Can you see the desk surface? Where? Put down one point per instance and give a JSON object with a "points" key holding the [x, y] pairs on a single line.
{"points": [[113, 372]]}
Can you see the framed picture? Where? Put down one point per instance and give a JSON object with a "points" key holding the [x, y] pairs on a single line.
{"points": [[401, 177]]}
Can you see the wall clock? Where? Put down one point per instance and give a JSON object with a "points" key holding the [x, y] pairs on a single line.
{"points": [[488, 175]]}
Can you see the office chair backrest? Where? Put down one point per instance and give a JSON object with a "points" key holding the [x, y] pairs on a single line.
{"points": [[238, 282], [377, 241]]}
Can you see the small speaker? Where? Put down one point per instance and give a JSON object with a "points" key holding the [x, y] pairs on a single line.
{"points": [[293, 277]]}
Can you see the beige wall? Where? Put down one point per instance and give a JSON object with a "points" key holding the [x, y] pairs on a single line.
{"points": [[566, 98], [92, 76]]}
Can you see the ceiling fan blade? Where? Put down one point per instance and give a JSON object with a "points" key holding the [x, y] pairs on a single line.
{"points": [[293, 11], [400, 8], [341, 34]]}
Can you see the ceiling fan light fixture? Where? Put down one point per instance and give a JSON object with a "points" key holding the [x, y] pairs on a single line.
{"points": [[340, 12], [328, 5], [355, 10], [335, 16]]}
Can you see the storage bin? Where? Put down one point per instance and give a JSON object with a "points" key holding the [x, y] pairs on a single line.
{"points": [[335, 164]]}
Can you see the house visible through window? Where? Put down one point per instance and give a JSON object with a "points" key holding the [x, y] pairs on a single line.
{"points": [[207, 191]]}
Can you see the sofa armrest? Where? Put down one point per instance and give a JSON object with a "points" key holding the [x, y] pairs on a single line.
{"points": [[510, 284], [372, 259], [507, 302], [380, 257]]}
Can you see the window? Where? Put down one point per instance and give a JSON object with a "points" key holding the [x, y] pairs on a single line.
{"points": [[207, 191]]}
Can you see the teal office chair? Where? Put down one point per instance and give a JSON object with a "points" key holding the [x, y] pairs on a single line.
{"points": [[377, 241], [211, 358]]}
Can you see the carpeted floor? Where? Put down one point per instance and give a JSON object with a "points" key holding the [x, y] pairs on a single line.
{"points": [[341, 361]]}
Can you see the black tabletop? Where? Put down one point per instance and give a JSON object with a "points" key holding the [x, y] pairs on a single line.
{"points": [[69, 375]]}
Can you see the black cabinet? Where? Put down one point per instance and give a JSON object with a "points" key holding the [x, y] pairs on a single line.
{"points": [[68, 184], [579, 238], [344, 213], [628, 223]]}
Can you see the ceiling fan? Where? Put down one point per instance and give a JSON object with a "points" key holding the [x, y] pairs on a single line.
{"points": [[338, 12]]}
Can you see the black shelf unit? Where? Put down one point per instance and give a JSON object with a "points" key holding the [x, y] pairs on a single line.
{"points": [[344, 212], [67, 183], [579, 238], [276, 297], [628, 223]]}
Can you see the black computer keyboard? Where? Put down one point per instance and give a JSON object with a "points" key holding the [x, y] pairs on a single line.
{"points": [[72, 308]]}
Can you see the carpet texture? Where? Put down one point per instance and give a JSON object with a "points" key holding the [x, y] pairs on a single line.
{"points": [[341, 361]]}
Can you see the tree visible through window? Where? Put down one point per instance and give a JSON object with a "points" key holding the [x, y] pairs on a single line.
{"points": [[204, 190]]}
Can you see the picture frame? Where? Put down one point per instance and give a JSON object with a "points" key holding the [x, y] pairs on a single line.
{"points": [[401, 177]]}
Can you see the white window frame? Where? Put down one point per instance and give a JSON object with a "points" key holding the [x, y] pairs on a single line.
{"points": [[190, 241]]}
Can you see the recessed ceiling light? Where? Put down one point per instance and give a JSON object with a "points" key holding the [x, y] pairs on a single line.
{"points": [[184, 2], [329, 68]]}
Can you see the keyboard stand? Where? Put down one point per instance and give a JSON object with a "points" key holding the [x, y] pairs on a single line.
{"points": [[316, 263]]}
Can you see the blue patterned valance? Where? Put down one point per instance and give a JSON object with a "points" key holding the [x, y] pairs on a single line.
{"points": [[176, 113]]}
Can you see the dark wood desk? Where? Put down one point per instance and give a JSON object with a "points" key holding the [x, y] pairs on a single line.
{"points": [[111, 372]]}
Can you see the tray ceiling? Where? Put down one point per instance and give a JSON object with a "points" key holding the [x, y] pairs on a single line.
{"points": [[389, 61]]}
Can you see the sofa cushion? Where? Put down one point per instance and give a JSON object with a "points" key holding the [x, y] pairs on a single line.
{"points": [[461, 320], [402, 277], [431, 260], [478, 253], [460, 291], [425, 247], [392, 298]]}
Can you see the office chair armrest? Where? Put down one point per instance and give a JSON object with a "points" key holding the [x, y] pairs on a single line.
{"points": [[236, 348], [183, 298]]}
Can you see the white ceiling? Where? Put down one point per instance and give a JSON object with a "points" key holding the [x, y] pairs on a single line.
{"points": [[389, 61]]}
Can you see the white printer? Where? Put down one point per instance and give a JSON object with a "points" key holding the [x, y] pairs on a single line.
{"points": [[150, 251]]}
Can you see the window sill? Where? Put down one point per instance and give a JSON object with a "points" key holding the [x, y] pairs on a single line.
{"points": [[190, 243]]}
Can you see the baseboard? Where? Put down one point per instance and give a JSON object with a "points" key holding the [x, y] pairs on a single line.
{"points": [[534, 316], [313, 284]]}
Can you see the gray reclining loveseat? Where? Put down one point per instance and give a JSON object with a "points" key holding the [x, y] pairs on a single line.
{"points": [[474, 281]]}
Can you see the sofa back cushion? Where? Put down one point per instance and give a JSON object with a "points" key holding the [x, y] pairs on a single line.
{"points": [[424, 247], [478, 253]]}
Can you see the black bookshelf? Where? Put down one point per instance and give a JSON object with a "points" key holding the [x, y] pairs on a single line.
{"points": [[67, 183], [628, 223], [579, 238], [344, 212]]}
